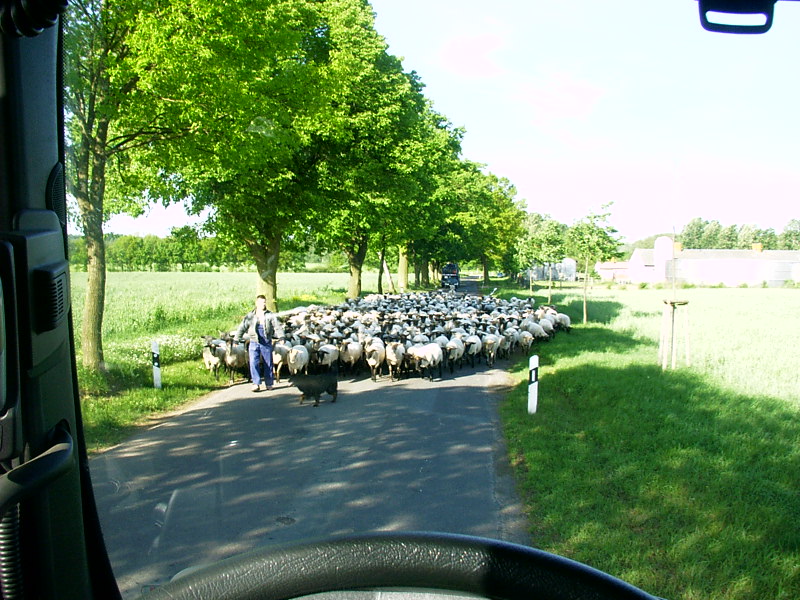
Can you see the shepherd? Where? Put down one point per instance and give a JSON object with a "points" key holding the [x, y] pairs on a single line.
{"points": [[261, 326]]}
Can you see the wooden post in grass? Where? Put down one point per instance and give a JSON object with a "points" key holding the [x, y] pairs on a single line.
{"points": [[533, 384], [156, 365], [668, 344]]}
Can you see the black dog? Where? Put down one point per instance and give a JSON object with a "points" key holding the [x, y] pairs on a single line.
{"points": [[315, 384]]}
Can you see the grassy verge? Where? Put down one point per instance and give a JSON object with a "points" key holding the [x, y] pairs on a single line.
{"points": [[682, 482]]}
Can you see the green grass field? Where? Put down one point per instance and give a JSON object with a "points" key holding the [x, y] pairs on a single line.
{"points": [[683, 482]]}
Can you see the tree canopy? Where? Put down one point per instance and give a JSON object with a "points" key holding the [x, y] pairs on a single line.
{"points": [[592, 239], [702, 234], [291, 126]]}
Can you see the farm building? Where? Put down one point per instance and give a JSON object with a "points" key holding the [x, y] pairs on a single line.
{"points": [[566, 270], [705, 267]]}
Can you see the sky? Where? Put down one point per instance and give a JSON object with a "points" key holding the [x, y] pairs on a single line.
{"points": [[581, 103]]}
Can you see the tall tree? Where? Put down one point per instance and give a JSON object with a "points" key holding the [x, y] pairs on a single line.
{"points": [[375, 173], [489, 218], [746, 237], [728, 238], [711, 235], [592, 239], [300, 84], [185, 245], [692, 234], [107, 126], [95, 85], [790, 237], [767, 238], [544, 243]]}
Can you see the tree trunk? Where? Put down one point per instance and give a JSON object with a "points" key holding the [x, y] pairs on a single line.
{"points": [[355, 259], [266, 258], [485, 264], [436, 272], [90, 193], [402, 268], [381, 263], [385, 269], [425, 271], [550, 284], [94, 301], [586, 292]]}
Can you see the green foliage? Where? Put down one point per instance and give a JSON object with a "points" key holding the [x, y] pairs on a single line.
{"points": [[318, 135], [702, 234], [646, 243], [589, 240], [544, 241], [77, 253], [482, 220], [593, 239], [790, 238], [209, 253]]}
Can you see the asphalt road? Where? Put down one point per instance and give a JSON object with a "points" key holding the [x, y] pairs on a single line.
{"points": [[239, 470]]}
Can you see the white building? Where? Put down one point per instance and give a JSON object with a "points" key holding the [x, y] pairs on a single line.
{"points": [[731, 268], [566, 270]]}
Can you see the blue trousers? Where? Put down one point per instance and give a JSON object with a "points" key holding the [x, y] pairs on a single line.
{"points": [[261, 358]]}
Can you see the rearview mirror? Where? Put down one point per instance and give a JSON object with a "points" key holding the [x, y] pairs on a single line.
{"points": [[736, 16]]}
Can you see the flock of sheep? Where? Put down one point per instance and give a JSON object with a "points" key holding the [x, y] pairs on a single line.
{"points": [[398, 335]]}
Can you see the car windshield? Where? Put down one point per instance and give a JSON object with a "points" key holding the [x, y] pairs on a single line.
{"points": [[518, 270]]}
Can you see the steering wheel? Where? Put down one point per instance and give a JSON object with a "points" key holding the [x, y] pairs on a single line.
{"points": [[458, 563]]}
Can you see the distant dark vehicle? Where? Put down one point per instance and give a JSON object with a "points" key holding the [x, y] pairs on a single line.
{"points": [[450, 275]]}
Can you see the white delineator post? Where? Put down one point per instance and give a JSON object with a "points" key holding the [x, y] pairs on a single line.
{"points": [[533, 383], [156, 366]]}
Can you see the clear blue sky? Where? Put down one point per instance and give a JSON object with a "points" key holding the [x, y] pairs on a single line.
{"points": [[582, 103]]}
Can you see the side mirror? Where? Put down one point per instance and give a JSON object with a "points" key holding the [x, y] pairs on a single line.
{"points": [[738, 16]]}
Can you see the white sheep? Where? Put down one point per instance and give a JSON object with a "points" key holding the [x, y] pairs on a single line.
{"points": [[508, 340], [279, 352], [375, 354], [454, 352], [327, 357], [236, 358], [537, 331], [491, 343], [546, 312], [427, 357], [548, 326], [213, 354], [350, 353], [442, 340], [526, 341], [395, 351], [420, 339], [473, 345], [297, 359]]}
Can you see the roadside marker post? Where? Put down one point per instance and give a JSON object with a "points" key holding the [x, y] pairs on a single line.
{"points": [[156, 365], [533, 384]]}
